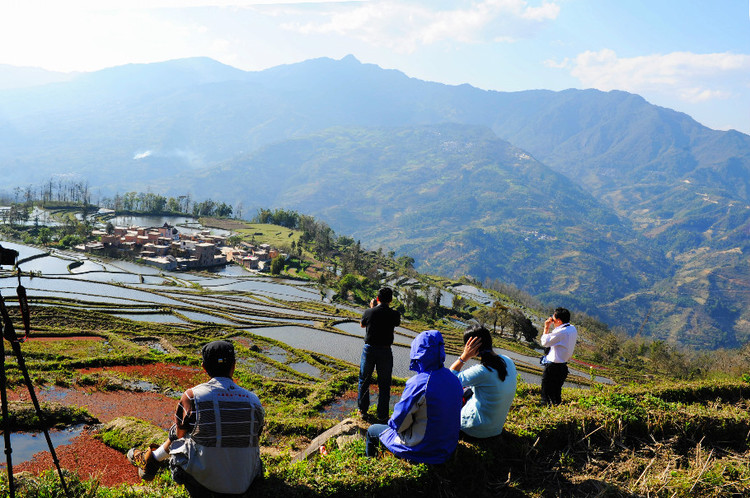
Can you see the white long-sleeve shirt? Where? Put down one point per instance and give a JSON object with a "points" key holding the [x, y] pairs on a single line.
{"points": [[561, 342]]}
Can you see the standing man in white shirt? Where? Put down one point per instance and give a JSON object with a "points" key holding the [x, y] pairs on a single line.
{"points": [[561, 341]]}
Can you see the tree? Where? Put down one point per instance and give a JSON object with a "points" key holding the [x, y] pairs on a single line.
{"points": [[347, 283], [173, 205], [610, 347], [184, 203], [632, 351], [433, 296], [234, 240], [419, 306], [503, 316], [288, 219], [415, 304], [345, 241], [69, 240], [497, 314], [522, 326], [406, 262], [83, 229], [277, 264], [44, 235], [352, 259], [223, 210], [29, 196], [17, 213], [262, 216], [205, 208], [458, 302]]}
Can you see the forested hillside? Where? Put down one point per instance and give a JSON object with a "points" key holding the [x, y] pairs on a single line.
{"points": [[458, 199]]}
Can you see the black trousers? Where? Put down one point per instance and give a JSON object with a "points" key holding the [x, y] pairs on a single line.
{"points": [[553, 379]]}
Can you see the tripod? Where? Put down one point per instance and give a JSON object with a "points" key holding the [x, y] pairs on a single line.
{"points": [[9, 334]]}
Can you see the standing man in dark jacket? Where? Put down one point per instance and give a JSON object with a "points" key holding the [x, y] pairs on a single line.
{"points": [[379, 321]]}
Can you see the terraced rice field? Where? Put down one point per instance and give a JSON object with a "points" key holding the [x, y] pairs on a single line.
{"points": [[123, 340]]}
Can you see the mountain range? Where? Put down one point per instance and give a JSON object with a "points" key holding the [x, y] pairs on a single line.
{"points": [[600, 201]]}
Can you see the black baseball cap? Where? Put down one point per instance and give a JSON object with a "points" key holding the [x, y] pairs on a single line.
{"points": [[217, 355]]}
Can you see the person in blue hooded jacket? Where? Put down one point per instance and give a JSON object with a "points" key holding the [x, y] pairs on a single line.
{"points": [[425, 424]]}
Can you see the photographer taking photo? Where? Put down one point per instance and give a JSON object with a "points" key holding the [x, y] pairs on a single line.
{"points": [[380, 321], [561, 341]]}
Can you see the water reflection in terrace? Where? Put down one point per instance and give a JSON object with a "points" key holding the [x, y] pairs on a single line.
{"points": [[204, 317], [339, 346], [281, 291], [402, 335], [151, 317], [26, 444], [107, 277], [235, 303], [66, 287], [307, 369]]}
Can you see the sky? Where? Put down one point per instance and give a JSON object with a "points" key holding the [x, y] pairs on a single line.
{"points": [[689, 55]]}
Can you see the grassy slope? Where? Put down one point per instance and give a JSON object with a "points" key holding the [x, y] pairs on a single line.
{"points": [[664, 440], [264, 233], [660, 438]]}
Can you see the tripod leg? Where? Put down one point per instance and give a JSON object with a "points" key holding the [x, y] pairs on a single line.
{"points": [[6, 421], [22, 365]]}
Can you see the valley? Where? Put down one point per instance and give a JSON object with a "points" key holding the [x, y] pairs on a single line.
{"points": [[630, 200]]}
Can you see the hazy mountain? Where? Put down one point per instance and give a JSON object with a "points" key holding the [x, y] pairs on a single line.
{"points": [[456, 197], [678, 190], [12, 77]]}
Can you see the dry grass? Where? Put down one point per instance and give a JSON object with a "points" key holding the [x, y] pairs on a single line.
{"points": [[655, 440]]}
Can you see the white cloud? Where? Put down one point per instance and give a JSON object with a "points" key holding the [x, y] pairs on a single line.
{"points": [[548, 11], [702, 94], [557, 65], [404, 26], [142, 155], [689, 76], [86, 35], [81, 39], [93, 5]]}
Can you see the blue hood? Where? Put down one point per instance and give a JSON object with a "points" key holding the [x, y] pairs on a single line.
{"points": [[427, 352]]}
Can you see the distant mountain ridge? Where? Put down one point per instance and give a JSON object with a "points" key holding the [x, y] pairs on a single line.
{"points": [[668, 195], [459, 199], [12, 77]]}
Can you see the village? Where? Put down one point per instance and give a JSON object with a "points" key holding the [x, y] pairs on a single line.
{"points": [[166, 248]]}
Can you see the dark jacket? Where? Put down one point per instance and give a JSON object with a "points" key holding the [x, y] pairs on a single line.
{"points": [[380, 323]]}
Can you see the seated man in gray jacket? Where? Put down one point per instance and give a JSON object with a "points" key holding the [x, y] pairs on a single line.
{"points": [[213, 446]]}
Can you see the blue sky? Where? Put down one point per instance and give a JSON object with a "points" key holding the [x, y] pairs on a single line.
{"points": [[689, 55]]}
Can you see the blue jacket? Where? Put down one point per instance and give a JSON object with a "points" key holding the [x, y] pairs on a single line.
{"points": [[426, 421]]}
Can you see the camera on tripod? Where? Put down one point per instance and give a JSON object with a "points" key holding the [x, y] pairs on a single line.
{"points": [[8, 256]]}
